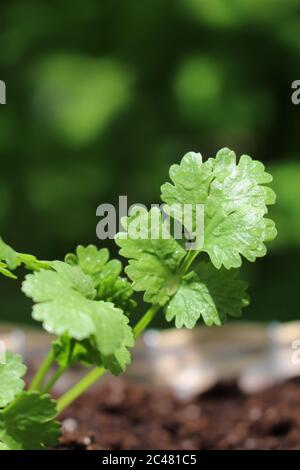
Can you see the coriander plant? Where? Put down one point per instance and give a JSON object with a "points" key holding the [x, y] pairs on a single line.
{"points": [[86, 301]]}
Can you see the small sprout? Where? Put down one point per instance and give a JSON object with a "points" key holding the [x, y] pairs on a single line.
{"points": [[86, 301]]}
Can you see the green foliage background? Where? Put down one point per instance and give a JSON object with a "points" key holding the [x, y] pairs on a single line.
{"points": [[102, 96]]}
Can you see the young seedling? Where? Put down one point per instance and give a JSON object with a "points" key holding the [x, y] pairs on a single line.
{"points": [[86, 302]]}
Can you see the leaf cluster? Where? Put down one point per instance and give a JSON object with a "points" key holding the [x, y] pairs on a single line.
{"points": [[86, 301]]}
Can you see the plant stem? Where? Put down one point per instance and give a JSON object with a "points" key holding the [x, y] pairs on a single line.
{"points": [[192, 254], [59, 371], [42, 372], [57, 374], [145, 320], [74, 392]]}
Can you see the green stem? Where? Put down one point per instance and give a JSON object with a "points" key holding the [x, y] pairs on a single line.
{"points": [[74, 392], [61, 369], [192, 254], [145, 320], [57, 374], [42, 372]]}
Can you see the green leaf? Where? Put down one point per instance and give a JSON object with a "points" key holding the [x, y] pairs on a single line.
{"points": [[155, 256], [112, 333], [114, 288], [13, 259], [207, 293], [68, 351], [28, 423], [8, 255], [76, 278], [11, 374], [108, 282], [5, 271], [192, 179], [59, 306], [90, 259], [64, 307], [235, 201]]}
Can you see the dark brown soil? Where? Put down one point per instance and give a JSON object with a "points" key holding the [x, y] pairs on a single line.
{"points": [[124, 416]]}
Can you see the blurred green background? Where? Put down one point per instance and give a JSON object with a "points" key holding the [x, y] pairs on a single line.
{"points": [[102, 96]]}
